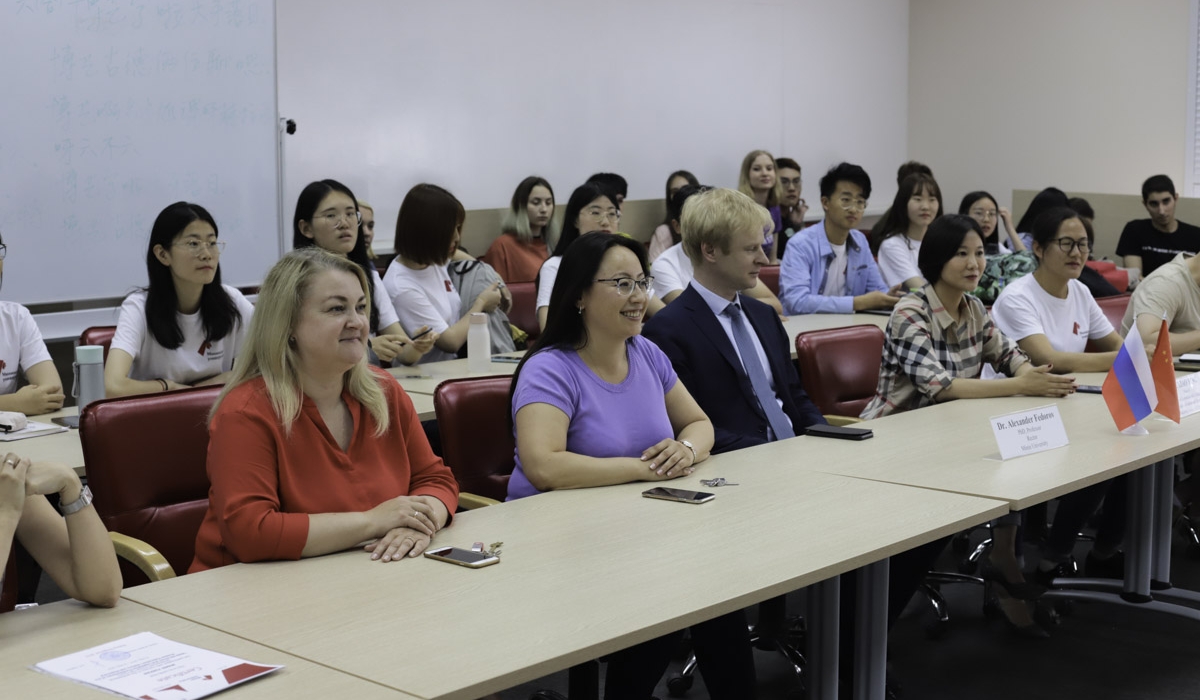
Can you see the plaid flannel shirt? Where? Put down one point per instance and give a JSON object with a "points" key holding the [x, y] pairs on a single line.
{"points": [[926, 349]]}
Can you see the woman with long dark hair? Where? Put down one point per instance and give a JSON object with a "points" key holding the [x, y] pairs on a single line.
{"points": [[185, 327], [327, 216]]}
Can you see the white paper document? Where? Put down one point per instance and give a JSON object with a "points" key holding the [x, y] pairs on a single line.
{"points": [[148, 667], [32, 429]]}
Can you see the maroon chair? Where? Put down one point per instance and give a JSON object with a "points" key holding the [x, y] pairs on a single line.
{"points": [[769, 274], [98, 335], [523, 313], [840, 367], [477, 440], [1114, 308], [146, 464]]}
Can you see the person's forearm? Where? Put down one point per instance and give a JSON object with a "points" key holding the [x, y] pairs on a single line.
{"points": [[700, 434], [94, 568], [1182, 342], [334, 532], [452, 339], [567, 470], [410, 355], [221, 379], [978, 389], [131, 387], [1068, 362]]}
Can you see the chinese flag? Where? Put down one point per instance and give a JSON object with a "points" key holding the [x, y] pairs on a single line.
{"points": [[1162, 368]]}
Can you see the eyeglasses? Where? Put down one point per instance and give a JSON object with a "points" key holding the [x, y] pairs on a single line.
{"points": [[1067, 245], [334, 218], [985, 214], [789, 181], [3, 251], [601, 214], [848, 204], [195, 247], [625, 285]]}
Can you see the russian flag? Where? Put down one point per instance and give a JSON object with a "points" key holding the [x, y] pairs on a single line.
{"points": [[1132, 386]]}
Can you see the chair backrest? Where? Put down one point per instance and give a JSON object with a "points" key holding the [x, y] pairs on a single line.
{"points": [[769, 274], [477, 442], [1114, 308], [523, 313], [146, 464], [98, 335], [840, 367]]}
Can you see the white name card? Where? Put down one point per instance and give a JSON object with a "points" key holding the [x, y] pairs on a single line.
{"points": [[1029, 432], [1188, 388]]}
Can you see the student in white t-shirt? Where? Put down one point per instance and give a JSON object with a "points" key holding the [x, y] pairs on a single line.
{"points": [[673, 271], [329, 216], [22, 348], [898, 239], [1050, 313], [591, 208], [428, 229], [185, 328]]}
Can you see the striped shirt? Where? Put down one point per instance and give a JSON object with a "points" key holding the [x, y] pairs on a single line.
{"points": [[926, 349]]}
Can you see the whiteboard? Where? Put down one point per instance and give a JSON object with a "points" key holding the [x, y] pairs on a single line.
{"points": [[114, 109], [475, 95]]}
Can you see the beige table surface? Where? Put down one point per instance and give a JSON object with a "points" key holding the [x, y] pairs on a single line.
{"points": [[57, 447], [802, 323], [424, 405], [584, 573], [32, 636], [950, 446], [424, 379]]}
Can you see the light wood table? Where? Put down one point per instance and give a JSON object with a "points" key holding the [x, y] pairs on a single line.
{"points": [[584, 573], [424, 379], [423, 403], [803, 323], [32, 636], [57, 447]]}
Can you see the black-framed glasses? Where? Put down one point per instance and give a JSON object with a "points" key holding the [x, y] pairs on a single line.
{"points": [[3, 251], [625, 285], [1067, 245]]}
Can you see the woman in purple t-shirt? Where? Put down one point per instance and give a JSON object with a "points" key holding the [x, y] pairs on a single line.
{"points": [[596, 404]]}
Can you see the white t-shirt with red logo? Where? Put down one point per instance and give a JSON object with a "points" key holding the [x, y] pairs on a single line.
{"points": [[21, 344], [1024, 309], [192, 361], [423, 298]]}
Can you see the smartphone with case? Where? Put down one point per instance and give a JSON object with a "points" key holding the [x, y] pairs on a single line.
{"points": [[1089, 389], [680, 495], [463, 557], [67, 421], [839, 432]]}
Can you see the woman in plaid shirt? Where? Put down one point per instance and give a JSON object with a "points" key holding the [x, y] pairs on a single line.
{"points": [[938, 339]]}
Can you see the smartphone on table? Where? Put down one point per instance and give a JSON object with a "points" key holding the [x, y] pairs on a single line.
{"points": [[681, 495], [462, 557]]}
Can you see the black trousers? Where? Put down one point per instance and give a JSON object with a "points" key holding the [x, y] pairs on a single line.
{"points": [[722, 647]]}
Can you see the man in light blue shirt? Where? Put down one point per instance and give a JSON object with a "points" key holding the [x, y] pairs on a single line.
{"points": [[828, 268]]}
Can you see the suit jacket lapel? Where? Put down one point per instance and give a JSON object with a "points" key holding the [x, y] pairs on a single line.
{"points": [[710, 328]]}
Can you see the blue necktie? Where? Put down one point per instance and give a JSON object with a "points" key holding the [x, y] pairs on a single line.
{"points": [[758, 376]]}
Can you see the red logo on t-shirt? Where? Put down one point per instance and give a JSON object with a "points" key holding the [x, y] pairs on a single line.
{"points": [[449, 287], [3, 364], [206, 345], [1076, 330]]}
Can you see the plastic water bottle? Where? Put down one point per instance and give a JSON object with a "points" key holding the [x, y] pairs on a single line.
{"points": [[479, 345], [89, 374]]}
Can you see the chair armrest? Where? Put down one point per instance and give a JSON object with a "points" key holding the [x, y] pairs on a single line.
{"points": [[143, 556], [469, 501], [842, 420]]}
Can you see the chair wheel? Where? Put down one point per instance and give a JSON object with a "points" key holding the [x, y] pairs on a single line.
{"points": [[936, 629], [678, 686]]}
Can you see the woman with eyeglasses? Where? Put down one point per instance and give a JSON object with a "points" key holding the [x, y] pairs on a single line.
{"points": [[595, 404], [759, 179], [22, 348], [185, 327], [428, 229], [1054, 319], [591, 208], [982, 207], [328, 216]]}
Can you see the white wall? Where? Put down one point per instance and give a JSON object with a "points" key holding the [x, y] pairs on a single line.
{"points": [[477, 94], [1085, 95]]}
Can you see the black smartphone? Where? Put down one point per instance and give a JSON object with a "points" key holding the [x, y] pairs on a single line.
{"points": [[680, 495], [839, 432], [1089, 389], [66, 421], [463, 557]]}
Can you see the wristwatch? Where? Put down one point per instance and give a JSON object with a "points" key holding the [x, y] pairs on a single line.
{"points": [[84, 500], [689, 445]]}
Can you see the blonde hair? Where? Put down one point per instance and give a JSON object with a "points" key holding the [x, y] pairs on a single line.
{"points": [[371, 248], [776, 193], [269, 353], [714, 215]]}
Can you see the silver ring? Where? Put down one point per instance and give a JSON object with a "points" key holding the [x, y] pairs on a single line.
{"points": [[10, 462]]}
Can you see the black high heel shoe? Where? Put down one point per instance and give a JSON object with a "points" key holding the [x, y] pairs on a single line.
{"points": [[1031, 631], [1021, 590]]}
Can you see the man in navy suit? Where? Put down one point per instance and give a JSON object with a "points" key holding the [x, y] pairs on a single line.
{"points": [[731, 351]]}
